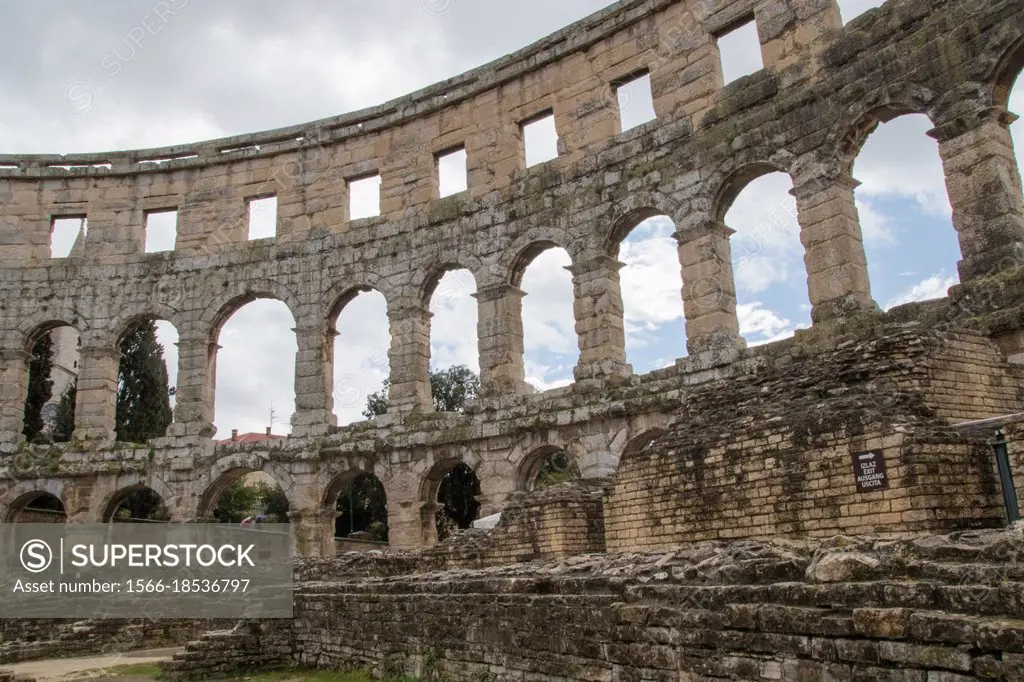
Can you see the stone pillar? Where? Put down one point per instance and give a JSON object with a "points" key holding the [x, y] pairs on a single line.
{"points": [[194, 395], [13, 391], [709, 290], [314, 400], [500, 339], [97, 393], [837, 269], [409, 356], [597, 304], [405, 525], [313, 532], [984, 189]]}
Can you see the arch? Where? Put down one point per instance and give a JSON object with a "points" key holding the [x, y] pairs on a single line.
{"points": [[733, 184], [533, 465], [1007, 72], [139, 383], [265, 370], [527, 255], [643, 441], [434, 274], [847, 137], [453, 329], [107, 501], [227, 470], [237, 296], [360, 501], [37, 506], [357, 357], [633, 210], [432, 489], [44, 418], [142, 503], [341, 295], [156, 312], [518, 255], [903, 199]]}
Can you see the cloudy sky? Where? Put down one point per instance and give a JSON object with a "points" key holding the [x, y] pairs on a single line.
{"points": [[129, 73]]}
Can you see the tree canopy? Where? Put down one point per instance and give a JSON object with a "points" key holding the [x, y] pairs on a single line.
{"points": [[450, 389], [40, 386], [143, 400]]}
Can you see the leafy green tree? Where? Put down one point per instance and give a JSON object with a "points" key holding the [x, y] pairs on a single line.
{"points": [[64, 420], [273, 501], [450, 388], [457, 496], [236, 502], [143, 400], [40, 386], [362, 506]]}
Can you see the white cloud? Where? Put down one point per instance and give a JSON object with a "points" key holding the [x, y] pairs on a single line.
{"points": [[766, 248], [453, 332], [932, 287], [651, 281], [759, 325], [875, 224], [900, 160]]}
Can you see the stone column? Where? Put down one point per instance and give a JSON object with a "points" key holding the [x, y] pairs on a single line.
{"points": [[597, 304], [709, 290], [96, 401], [500, 339], [405, 525], [13, 392], [409, 356], [313, 532], [837, 269], [314, 400], [984, 189], [194, 395]]}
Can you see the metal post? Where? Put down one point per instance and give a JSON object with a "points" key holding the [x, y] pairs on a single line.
{"points": [[1006, 477]]}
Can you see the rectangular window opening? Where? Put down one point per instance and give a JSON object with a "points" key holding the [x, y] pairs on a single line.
{"points": [[740, 51], [851, 9], [451, 172], [262, 217], [364, 197], [540, 139], [635, 101], [161, 230], [66, 233]]}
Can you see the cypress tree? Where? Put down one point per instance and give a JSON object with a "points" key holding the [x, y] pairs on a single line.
{"points": [[64, 422], [143, 402], [40, 386]]}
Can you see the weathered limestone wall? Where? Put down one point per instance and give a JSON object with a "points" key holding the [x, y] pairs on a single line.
{"points": [[824, 88], [932, 608], [770, 452]]}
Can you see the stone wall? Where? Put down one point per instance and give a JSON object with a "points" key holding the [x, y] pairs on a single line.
{"points": [[771, 452], [931, 608], [40, 638], [247, 646], [825, 86]]}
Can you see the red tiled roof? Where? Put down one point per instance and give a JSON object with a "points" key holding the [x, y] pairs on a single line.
{"points": [[251, 438]]}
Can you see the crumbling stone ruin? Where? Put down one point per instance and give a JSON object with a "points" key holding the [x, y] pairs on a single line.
{"points": [[721, 530]]}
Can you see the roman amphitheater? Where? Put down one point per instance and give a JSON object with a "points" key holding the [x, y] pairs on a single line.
{"points": [[723, 527]]}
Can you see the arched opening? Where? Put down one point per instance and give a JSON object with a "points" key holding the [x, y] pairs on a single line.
{"points": [[37, 507], [49, 414], [767, 254], [643, 441], [145, 406], [1016, 105], [905, 214], [452, 489], [136, 504], [454, 351], [361, 505], [255, 371], [551, 348], [548, 466], [651, 286], [360, 354], [245, 495]]}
